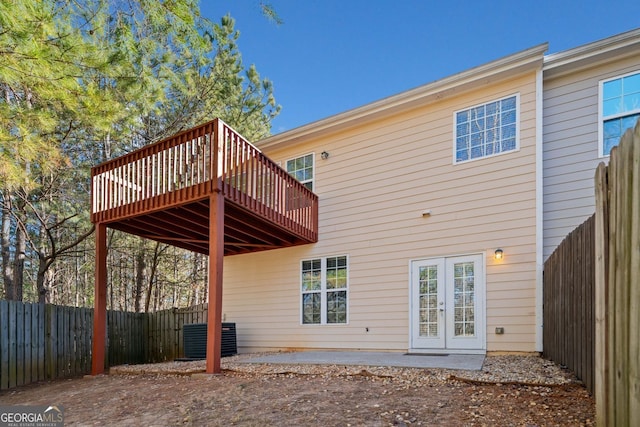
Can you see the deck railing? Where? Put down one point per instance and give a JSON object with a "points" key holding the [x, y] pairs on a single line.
{"points": [[189, 166]]}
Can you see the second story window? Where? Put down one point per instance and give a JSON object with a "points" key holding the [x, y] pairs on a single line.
{"points": [[619, 109], [301, 168], [486, 130]]}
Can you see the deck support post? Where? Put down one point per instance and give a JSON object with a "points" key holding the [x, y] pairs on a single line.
{"points": [[100, 310], [216, 261]]}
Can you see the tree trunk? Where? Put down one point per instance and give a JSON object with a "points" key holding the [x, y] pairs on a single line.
{"points": [[18, 263], [195, 267], [140, 273], [41, 285], [152, 277], [7, 268]]}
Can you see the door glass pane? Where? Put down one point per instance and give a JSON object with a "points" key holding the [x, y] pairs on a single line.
{"points": [[428, 301], [457, 283], [463, 299]]}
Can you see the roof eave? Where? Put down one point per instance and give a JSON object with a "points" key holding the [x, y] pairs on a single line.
{"points": [[511, 65], [591, 54]]}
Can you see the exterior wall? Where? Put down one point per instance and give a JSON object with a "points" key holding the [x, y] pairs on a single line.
{"points": [[373, 188], [570, 147]]}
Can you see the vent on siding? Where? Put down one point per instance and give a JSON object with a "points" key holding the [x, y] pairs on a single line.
{"points": [[195, 340]]}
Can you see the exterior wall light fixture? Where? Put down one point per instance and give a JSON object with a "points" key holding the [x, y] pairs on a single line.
{"points": [[324, 155], [499, 254]]}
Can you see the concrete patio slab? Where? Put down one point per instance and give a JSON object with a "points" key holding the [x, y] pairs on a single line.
{"points": [[472, 362]]}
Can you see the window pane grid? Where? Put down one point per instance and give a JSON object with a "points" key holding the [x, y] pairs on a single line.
{"points": [[301, 168], [428, 300], [311, 275], [324, 285], [620, 109], [486, 130], [311, 308], [337, 307], [463, 299], [337, 273]]}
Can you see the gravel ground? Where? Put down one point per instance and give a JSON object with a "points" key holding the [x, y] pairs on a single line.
{"points": [[508, 391], [527, 370]]}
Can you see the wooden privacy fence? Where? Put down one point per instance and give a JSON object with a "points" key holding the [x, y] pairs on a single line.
{"points": [[617, 354], [40, 342], [568, 303], [164, 334], [44, 342]]}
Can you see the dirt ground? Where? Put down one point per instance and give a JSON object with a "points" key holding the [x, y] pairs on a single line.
{"points": [[322, 396]]}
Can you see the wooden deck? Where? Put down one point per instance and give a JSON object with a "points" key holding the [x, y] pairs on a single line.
{"points": [[208, 190], [161, 192]]}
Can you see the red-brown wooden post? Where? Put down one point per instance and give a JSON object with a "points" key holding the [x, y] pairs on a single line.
{"points": [[100, 310], [216, 251], [216, 260]]}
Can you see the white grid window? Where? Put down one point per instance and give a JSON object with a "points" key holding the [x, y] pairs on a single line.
{"points": [[324, 285], [301, 168], [619, 109], [486, 130]]}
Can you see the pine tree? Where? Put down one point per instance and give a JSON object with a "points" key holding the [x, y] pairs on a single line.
{"points": [[82, 82]]}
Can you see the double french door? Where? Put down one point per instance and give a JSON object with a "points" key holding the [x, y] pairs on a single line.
{"points": [[447, 303]]}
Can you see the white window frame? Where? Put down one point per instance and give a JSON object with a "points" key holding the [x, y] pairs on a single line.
{"points": [[313, 170], [455, 160], [602, 118], [323, 291]]}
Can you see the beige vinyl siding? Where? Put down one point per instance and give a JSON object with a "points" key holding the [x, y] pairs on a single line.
{"points": [[372, 190], [570, 147]]}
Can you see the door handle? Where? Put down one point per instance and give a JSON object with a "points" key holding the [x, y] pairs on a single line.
{"points": [[441, 304]]}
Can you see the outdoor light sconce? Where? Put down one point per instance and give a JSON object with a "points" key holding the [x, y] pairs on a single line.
{"points": [[499, 254], [324, 155]]}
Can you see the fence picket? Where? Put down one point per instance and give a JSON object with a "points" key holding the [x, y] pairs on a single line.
{"points": [[26, 379], [568, 287], [166, 335], [13, 366], [153, 342], [173, 333], [60, 333], [19, 344], [41, 346], [4, 344], [52, 349], [634, 276], [88, 337]]}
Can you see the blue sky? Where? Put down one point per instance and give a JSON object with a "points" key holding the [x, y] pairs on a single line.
{"points": [[330, 56]]}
